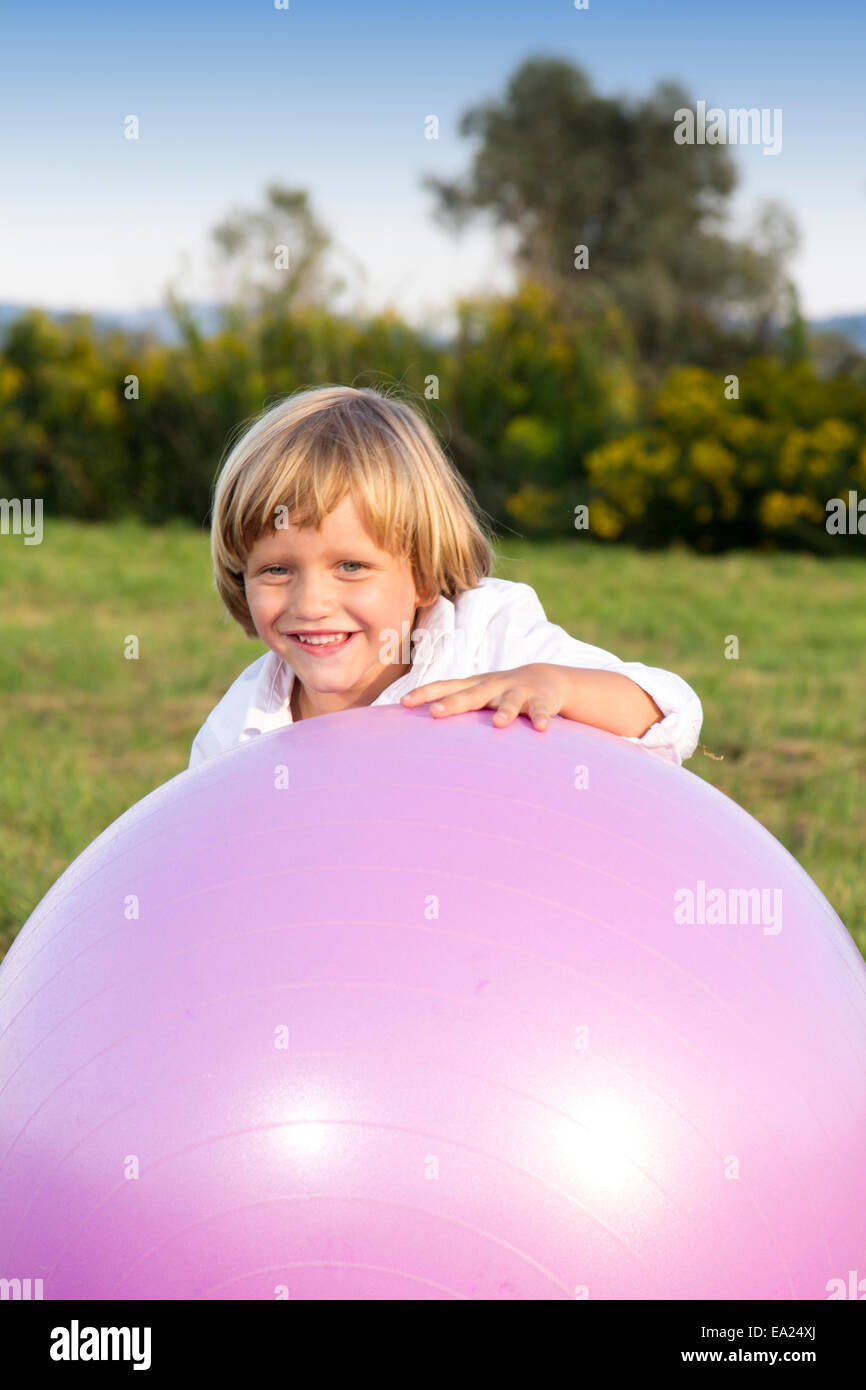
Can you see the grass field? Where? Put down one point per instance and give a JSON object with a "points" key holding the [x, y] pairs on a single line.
{"points": [[86, 733]]}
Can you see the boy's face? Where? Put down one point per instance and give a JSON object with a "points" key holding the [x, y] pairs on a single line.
{"points": [[334, 580]]}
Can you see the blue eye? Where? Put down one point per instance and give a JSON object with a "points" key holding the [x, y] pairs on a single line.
{"points": [[270, 569]]}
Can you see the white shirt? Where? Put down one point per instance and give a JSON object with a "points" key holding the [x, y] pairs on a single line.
{"points": [[494, 627]]}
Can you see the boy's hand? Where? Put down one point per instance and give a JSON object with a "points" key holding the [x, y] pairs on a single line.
{"points": [[536, 690]]}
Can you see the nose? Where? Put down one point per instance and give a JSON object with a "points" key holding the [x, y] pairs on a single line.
{"points": [[310, 600]]}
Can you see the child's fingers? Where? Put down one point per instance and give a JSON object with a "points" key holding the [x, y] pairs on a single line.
{"points": [[433, 689], [458, 703], [509, 709], [538, 714], [510, 703], [476, 694], [472, 692]]}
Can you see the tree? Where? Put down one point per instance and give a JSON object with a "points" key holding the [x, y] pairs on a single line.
{"points": [[269, 260], [562, 166]]}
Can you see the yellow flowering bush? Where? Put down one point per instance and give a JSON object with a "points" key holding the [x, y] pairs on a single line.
{"points": [[541, 401], [691, 401], [534, 507], [783, 509], [715, 471], [605, 521]]}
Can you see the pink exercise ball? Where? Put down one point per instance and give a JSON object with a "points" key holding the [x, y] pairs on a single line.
{"points": [[384, 1006]]}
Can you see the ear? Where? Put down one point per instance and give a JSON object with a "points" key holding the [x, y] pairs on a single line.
{"points": [[423, 596]]}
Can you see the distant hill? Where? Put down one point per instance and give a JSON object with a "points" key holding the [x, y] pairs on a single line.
{"points": [[158, 321], [851, 326]]}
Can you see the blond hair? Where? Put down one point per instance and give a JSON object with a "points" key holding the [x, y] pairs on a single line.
{"points": [[315, 446]]}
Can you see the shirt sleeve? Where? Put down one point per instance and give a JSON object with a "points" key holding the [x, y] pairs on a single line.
{"points": [[519, 633]]}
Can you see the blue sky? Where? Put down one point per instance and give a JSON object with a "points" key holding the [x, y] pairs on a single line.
{"points": [[331, 96]]}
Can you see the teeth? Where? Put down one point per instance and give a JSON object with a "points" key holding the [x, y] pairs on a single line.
{"points": [[323, 641]]}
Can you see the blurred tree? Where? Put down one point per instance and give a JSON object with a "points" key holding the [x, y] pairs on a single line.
{"points": [[251, 242], [795, 335], [561, 167], [269, 260]]}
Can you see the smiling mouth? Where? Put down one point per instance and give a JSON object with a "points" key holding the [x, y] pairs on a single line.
{"points": [[322, 645]]}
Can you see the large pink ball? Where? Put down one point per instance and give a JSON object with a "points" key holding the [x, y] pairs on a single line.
{"points": [[384, 1006]]}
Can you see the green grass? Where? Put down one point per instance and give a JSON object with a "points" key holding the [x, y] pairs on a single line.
{"points": [[86, 733]]}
